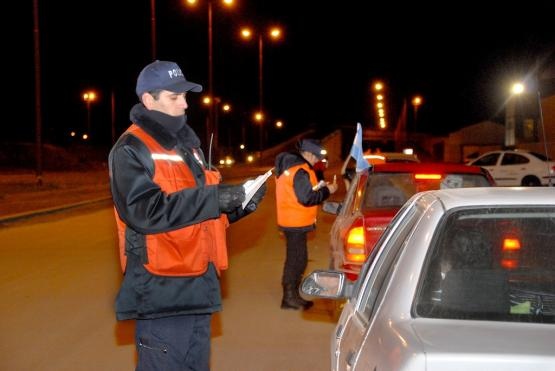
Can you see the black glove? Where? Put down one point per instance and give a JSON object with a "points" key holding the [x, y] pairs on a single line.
{"points": [[251, 206], [256, 198], [230, 197]]}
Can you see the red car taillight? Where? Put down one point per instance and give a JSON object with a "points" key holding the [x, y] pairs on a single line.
{"points": [[510, 249], [354, 246], [511, 244], [427, 176]]}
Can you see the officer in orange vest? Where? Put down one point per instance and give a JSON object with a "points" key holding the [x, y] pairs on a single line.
{"points": [[171, 213], [298, 194]]}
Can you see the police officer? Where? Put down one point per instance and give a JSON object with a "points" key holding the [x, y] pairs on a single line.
{"points": [[298, 194]]}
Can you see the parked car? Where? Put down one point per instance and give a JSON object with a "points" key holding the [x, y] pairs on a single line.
{"points": [[462, 279], [517, 167], [377, 194]]}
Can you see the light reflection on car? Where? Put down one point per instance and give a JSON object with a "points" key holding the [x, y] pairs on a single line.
{"points": [[462, 279]]}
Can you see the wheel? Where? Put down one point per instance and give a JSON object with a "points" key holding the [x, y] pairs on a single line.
{"points": [[530, 181]]}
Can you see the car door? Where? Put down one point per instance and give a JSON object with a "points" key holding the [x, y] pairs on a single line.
{"points": [[512, 167], [491, 162], [356, 315]]}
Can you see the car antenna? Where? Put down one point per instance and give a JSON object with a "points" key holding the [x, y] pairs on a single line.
{"points": [[210, 152], [543, 133]]}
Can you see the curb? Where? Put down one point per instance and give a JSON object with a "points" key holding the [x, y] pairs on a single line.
{"points": [[51, 210]]}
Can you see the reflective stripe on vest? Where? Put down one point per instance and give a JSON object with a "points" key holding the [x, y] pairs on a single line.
{"points": [[291, 213], [188, 250]]}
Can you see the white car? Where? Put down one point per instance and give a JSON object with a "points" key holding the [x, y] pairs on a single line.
{"points": [[462, 279], [517, 167]]}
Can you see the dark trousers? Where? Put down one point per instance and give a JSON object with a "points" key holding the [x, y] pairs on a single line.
{"points": [[178, 343], [296, 257]]}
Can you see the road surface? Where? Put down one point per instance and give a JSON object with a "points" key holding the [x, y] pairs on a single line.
{"points": [[60, 273]]}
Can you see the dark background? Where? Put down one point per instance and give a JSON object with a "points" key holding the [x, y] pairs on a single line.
{"points": [[460, 56]]}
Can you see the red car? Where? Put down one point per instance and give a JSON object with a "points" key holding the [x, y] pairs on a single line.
{"points": [[374, 197]]}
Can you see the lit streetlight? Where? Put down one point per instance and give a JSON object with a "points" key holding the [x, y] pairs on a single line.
{"points": [[89, 97], [510, 112], [416, 103], [378, 87], [272, 33], [211, 124], [217, 103]]}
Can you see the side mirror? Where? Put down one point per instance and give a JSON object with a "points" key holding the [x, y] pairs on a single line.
{"points": [[326, 284], [332, 207]]}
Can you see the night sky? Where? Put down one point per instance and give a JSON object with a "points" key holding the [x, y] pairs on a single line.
{"points": [[461, 60]]}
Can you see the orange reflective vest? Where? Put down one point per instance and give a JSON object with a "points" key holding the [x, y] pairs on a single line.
{"points": [[291, 213], [188, 250]]}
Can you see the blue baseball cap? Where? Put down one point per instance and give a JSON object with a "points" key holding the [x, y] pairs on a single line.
{"points": [[313, 146], [166, 76]]}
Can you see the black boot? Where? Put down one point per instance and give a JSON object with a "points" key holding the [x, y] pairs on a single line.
{"points": [[292, 300], [305, 303]]}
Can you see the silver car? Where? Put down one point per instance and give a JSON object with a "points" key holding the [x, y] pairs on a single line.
{"points": [[462, 279]]}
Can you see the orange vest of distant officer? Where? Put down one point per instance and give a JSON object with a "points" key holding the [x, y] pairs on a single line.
{"points": [[291, 213], [185, 251]]}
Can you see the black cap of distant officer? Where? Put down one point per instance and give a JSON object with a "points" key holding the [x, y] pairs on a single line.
{"points": [[164, 75], [313, 146]]}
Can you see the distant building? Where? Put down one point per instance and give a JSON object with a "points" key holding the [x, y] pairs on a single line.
{"points": [[475, 139]]}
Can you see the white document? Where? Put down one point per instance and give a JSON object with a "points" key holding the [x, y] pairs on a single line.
{"points": [[251, 186]]}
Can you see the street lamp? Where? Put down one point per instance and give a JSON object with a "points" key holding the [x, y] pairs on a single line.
{"points": [[273, 33], [216, 102], [378, 88], [210, 125], [416, 103], [510, 112], [89, 97]]}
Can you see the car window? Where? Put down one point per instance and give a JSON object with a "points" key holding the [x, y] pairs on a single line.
{"points": [[487, 160], [491, 264], [540, 156], [375, 270], [392, 190], [514, 159], [387, 190]]}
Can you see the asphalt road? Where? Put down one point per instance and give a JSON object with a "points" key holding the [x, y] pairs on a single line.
{"points": [[59, 274]]}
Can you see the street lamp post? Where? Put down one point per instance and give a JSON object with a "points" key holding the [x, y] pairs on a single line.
{"points": [[216, 102], [153, 28], [211, 128], [510, 113], [38, 112], [274, 33], [89, 97], [416, 103], [378, 87]]}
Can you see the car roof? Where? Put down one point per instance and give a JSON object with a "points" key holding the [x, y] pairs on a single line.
{"points": [[493, 196], [430, 167]]}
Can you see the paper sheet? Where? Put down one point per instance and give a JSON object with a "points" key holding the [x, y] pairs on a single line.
{"points": [[251, 186]]}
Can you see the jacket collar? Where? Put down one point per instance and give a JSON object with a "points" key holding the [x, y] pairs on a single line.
{"points": [[186, 136]]}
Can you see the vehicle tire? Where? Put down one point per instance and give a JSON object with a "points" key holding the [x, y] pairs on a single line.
{"points": [[530, 181]]}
